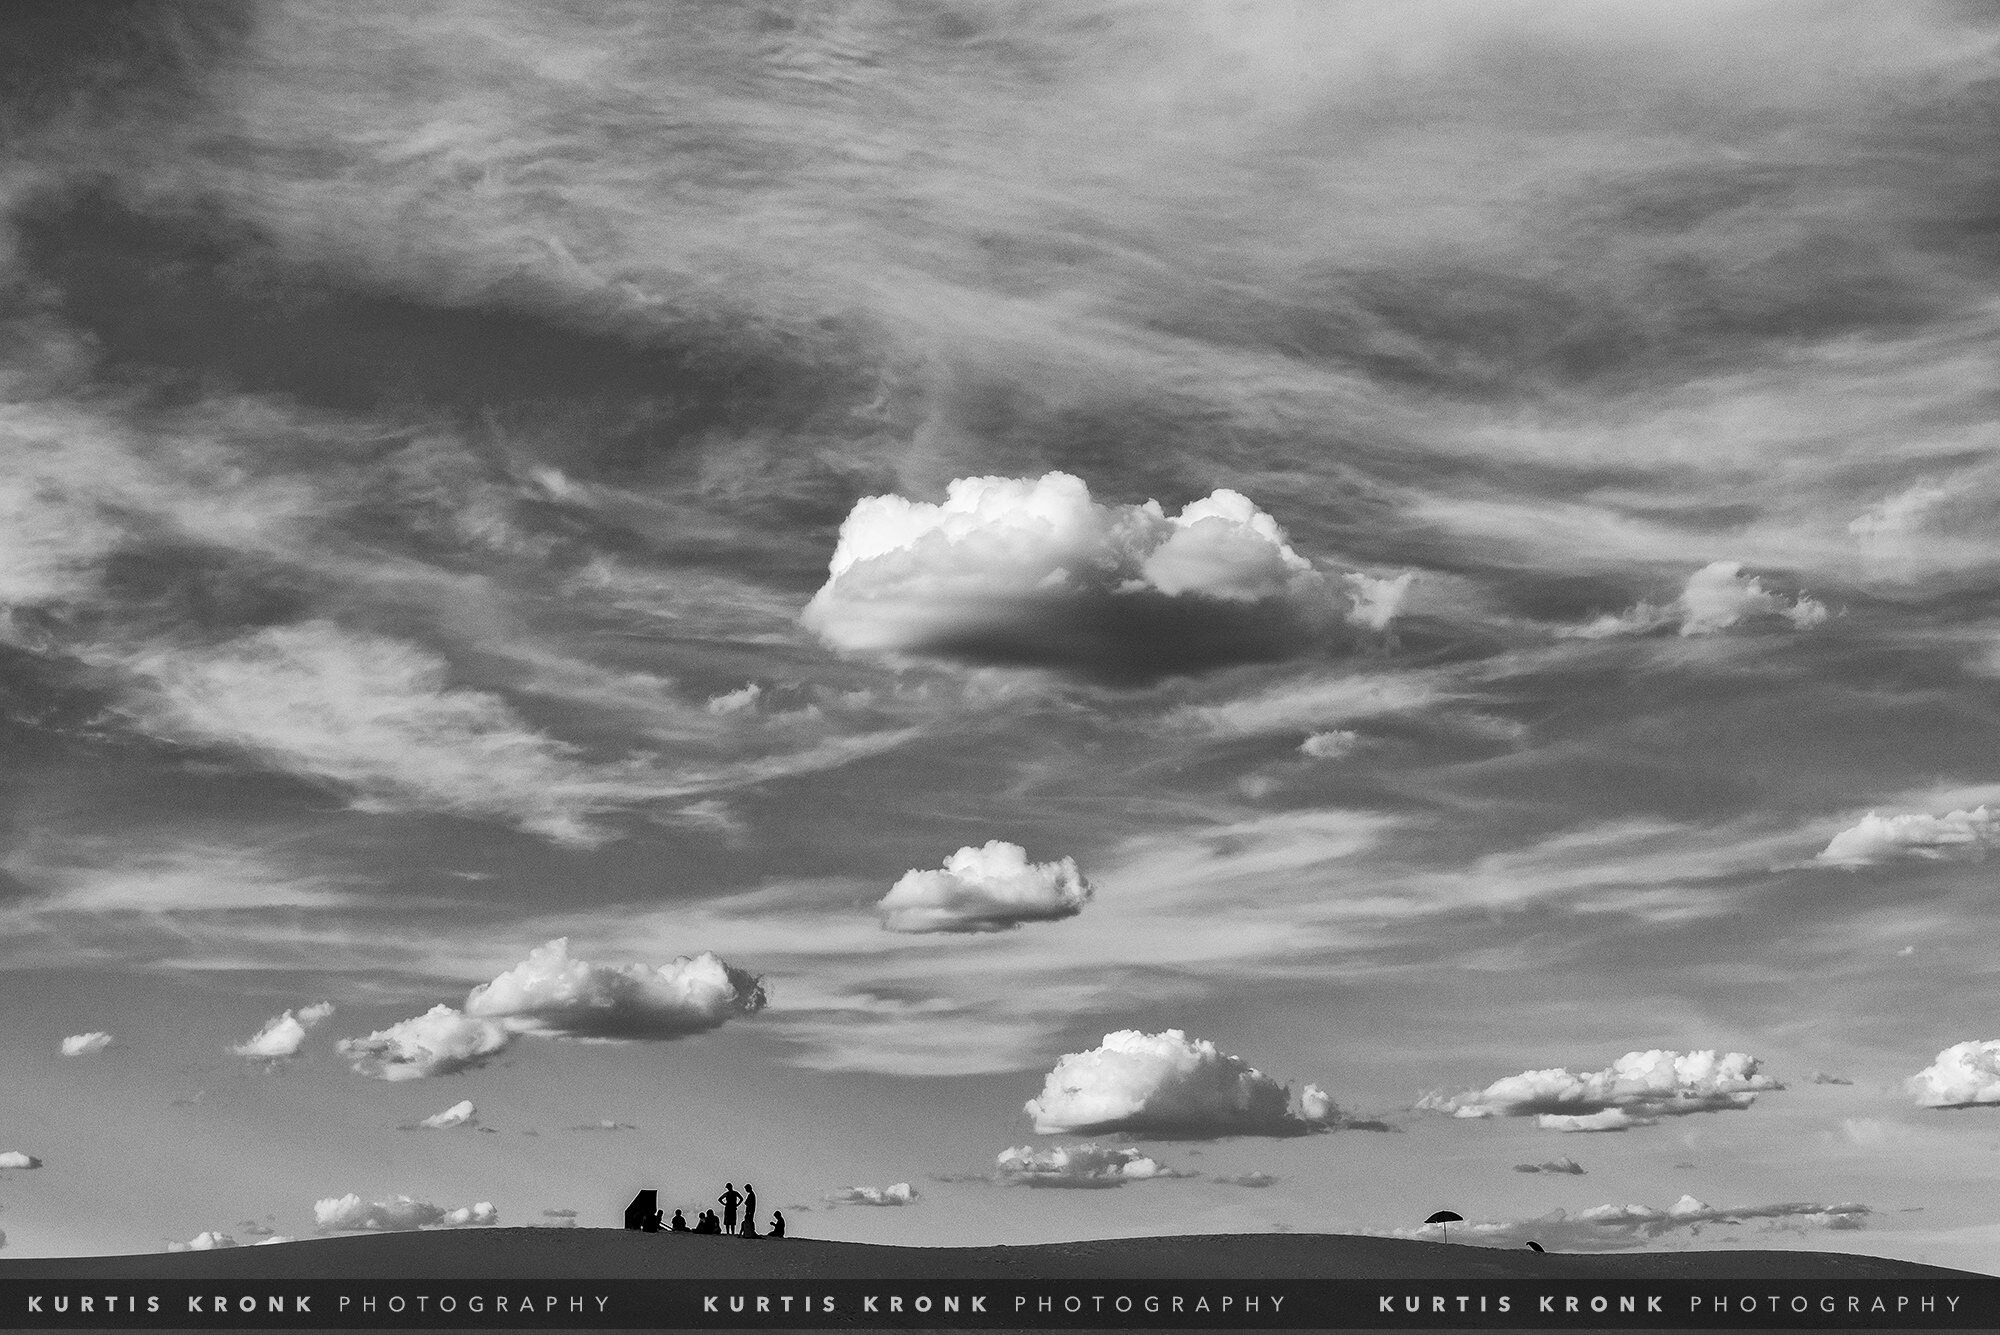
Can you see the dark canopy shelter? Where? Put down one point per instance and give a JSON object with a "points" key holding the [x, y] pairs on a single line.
{"points": [[644, 1211]]}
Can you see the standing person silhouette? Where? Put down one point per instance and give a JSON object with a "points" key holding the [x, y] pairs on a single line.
{"points": [[749, 1209], [728, 1200]]}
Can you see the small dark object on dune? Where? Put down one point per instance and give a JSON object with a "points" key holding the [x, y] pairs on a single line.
{"points": [[1534, 1246], [1446, 1218]]}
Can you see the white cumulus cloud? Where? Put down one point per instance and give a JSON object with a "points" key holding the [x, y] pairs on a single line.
{"points": [[1377, 600], [1716, 597], [1963, 1076], [551, 995], [283, 1035], [1032, 571], [1316, 1105], [82, 1045], [1086, 1166], [1876, 839], [16, 1159], [208, 1241], [336, 1214], [1636, 1090], [1165, 1084], [900, 1193], [735, 702], [441, 1041], [987, 889]]}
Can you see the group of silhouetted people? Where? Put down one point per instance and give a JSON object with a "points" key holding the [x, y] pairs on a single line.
{"points": [[738, 1218]]}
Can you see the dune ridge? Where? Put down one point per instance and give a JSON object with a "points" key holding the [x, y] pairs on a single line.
{"points": [[614, 1253]]}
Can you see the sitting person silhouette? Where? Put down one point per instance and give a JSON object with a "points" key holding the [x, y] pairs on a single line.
{"points": [[679, 1224], [747, 1229], [777, 1224], [708, 1223]]}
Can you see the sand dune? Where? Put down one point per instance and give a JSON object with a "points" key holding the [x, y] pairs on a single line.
{"points": [[612, 1253]]}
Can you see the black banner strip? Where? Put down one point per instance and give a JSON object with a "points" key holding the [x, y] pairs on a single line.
{"points": [[1972, 1302]]}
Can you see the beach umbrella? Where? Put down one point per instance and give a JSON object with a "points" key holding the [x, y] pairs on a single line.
{"points": [[1447, 1218]]}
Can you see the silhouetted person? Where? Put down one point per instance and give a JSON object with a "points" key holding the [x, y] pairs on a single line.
{"points": [[679, 1225], [729, 1200], [708, 1223], [749, 1209], [747, 1229], [643, 1214], [777, 1224]]}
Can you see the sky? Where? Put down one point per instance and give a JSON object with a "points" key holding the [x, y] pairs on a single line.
{"points": [[1011, 619]]}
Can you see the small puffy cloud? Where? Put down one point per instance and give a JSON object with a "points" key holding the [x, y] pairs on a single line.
{"points": [[1964, 1075], [1562, 1165], [987, 889], [1085, 1166], [605, 1124], [82, 1045], [458, 1114], [899, 1194], [1719, 595], [1033, 572], [735, 702], [1330, 745], [1316, 1105], [1616, 1227], [1162, 1084], [1716, 597], [1250, 1179], [551, 995], [441, 1041], [1636, 1090], [283, 1036], [349, 1213], [16, 1159], [1377, 600], [1876, 840], [1822, 1078], [209, 1241]]}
